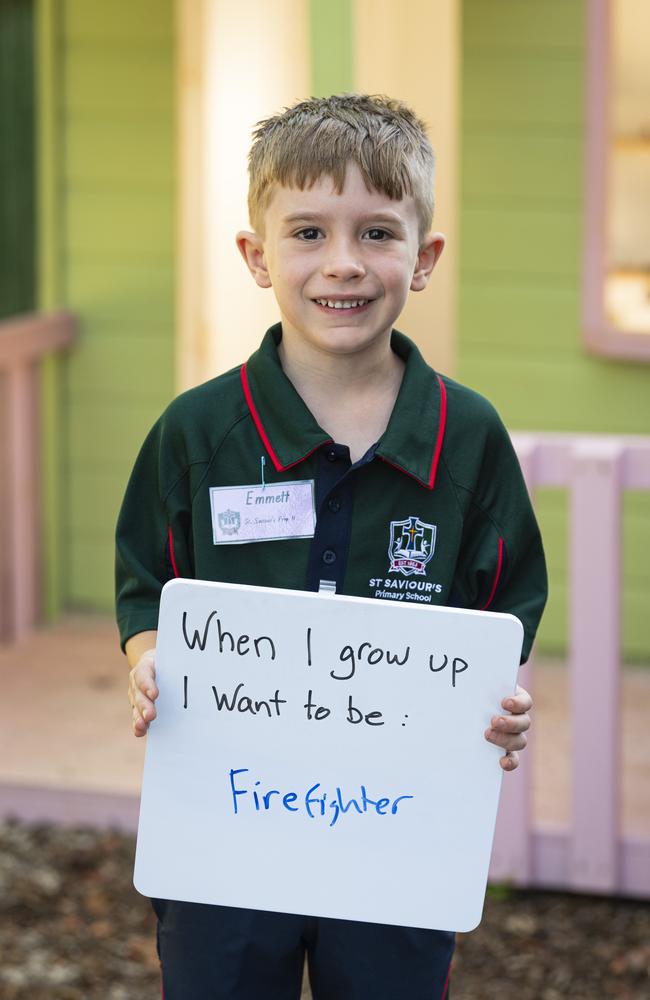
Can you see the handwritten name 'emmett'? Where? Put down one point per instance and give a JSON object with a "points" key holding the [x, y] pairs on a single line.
{"points": [[264, 498]]}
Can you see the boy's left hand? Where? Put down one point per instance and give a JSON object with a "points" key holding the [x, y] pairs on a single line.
{"points": [[507, 731]]}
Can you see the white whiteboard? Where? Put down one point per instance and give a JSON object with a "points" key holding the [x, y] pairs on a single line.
{"points": [[246, 801]]}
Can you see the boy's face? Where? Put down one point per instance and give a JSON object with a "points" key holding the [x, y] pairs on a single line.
{"points": [[341, 265]]}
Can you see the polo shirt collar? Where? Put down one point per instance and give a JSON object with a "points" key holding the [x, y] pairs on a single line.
{"points": [[413, 439], [287, 428], [290, 433]]}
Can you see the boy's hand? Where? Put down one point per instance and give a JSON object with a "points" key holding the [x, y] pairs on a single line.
{"points": [[143, 692], [508, 730]]}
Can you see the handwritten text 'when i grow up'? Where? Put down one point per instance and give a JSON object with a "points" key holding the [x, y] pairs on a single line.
{"points": [[215, 638]]}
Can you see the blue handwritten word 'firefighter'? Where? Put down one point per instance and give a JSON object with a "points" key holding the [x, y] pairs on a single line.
{"points": [[313, 802]]}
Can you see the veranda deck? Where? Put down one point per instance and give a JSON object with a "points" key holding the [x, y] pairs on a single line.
{"points": [[67, 753]]}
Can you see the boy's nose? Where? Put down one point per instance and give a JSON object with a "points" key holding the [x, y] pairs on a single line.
{"points": [[343, 261]]}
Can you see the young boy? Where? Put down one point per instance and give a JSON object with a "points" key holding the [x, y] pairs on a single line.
{"points": [[341, 204]]}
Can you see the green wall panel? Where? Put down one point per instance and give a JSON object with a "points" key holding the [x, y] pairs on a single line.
{"points": [[636, 537], [116, 246], [500, 316], [519, 242], [553, 633], [114, 21], [516, 88], [534, 393], [145, 295], [541, 169], [91, 565], [128, 82], [123, 355], [119, 224], [95, 500], [551, 509], [509, 24], [104, 151], [635, 624], [552, 512], [115, 440], [331, 46], [520, 338]]}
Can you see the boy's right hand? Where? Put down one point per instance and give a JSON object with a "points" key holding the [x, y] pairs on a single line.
{"points": [[143, 691]]}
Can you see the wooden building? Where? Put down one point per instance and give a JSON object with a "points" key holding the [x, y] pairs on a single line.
{"points": [[141, 113]]}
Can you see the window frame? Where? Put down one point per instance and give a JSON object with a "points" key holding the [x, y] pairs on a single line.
{"points": [[600, 336]]}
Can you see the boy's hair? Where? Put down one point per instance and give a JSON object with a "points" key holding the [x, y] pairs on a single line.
{"points": [[320, 136]]}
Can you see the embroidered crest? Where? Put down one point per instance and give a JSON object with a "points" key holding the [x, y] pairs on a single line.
{"points": [[411, 546], [229, 521]]}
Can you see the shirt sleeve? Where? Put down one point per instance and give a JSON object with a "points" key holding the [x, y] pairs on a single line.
{"points": [[502, 566], [153, 530]]}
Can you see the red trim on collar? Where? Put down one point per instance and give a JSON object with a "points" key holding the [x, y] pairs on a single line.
{"points": [[258, 423], [279, 467], [405, 472], [302, 458], [496, 577], [170, 539], [442, 421], [441, 432]]}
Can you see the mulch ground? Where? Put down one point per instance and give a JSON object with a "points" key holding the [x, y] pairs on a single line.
{"points": [[73, 928]]}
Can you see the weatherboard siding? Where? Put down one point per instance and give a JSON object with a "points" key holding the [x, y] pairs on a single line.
{"points": [[117, 198], [520, 336]]}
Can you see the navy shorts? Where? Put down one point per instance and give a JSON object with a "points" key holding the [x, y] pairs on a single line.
{"points": [[227, 953]]}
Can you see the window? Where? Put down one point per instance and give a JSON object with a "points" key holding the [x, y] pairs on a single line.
{"points": [[617, 208]]}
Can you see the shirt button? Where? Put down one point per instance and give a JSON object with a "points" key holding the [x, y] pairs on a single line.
{"points": [[331, 455], [334, 505], [329, 557]]}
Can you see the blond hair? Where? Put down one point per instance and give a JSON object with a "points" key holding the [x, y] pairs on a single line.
{"points": [[320, 136]]}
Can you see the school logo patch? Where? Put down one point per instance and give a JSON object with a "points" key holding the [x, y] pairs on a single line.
{"points": [[411, 546], [229, 521]]}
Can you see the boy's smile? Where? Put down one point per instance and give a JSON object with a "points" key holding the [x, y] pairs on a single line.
{"points": [[341, 265]]}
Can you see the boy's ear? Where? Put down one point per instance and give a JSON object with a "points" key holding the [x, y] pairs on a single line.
{"points": [[251, 248], [428, 255]]}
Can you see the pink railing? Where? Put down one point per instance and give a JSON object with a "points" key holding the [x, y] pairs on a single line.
{"points": [[592, 854], [24, 342]]}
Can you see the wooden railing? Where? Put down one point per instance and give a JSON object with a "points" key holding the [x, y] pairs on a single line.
{"points": [[24, 342], [592, 854]]}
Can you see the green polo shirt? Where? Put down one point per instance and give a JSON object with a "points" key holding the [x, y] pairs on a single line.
{"points": [[436, 512]]}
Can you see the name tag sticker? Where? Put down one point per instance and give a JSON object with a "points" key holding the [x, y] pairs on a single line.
{"points": [[262, 513]]}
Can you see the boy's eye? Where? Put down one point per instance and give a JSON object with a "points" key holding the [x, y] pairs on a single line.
{"points": [[377, 234], [309, 234]]}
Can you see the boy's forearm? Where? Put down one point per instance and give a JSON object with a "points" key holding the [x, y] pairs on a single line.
{"points": [[139, 644]]}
